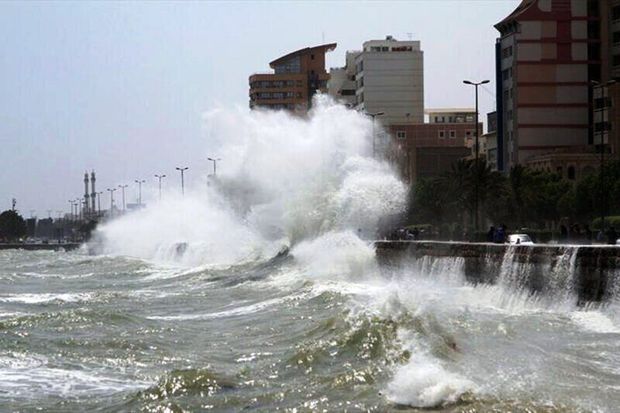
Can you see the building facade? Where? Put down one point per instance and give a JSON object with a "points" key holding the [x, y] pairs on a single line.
{"points": [[429, 149], [543, 70], [389, 76], [341, 85], [297, 77]]}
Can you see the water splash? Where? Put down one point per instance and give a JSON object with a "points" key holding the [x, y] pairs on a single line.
{"points": [[286, 180]]}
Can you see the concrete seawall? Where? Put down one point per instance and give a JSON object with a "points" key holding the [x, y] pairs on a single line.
{"points": [[67, 246], [591, 272]]}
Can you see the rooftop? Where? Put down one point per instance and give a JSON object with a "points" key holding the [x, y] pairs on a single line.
{"points": [[328, 47]]}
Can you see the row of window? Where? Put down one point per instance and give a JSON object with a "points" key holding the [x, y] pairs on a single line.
{"points": [[454, 119], [292, 65], [393, 49], [441, 134], [271, 84], [277, 95]]}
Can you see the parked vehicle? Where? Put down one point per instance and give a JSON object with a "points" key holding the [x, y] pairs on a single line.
{"points": [[520, 239]]}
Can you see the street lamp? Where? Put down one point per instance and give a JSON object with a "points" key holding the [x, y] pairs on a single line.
{"points": [[99, 203], [122, 187], [373, 116], [111, 191], [605, 116], [140, 182], [477, 149], [160, 177], [182, 170], [214, 160]]}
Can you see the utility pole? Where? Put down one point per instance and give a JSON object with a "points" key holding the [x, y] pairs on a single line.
{"points": [[123, 195], [160, 177], [182, 170], [477, 149]]}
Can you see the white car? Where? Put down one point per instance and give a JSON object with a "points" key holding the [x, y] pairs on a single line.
{"points": [[520, 239]]}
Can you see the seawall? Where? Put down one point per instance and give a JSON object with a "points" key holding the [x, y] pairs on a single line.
{"points": [[66, 246], [590, 272]]}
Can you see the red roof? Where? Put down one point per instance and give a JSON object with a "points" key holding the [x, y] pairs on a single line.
{"points": [[323, 48]]}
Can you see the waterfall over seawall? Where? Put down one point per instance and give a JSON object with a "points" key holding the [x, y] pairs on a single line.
{"points": [[590, 273]]}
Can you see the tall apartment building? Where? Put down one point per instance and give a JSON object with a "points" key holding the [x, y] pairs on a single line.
{"points": [[543, 68], [297, 77], [389, 78]]}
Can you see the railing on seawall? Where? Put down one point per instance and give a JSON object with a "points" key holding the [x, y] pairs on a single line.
{"points": [[591, 272]]}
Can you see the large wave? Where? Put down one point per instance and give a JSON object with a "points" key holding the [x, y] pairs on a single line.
{"points": [[286, 179]]}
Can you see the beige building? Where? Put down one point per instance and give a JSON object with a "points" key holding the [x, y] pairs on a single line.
{"points": [[389, 77], [341, 85]]}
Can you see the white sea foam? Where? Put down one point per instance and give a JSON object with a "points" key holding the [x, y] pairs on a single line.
{"points": [[425, 383], [28, 298], [594, 321]]}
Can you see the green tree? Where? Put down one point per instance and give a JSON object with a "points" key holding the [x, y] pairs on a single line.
{"points": [[12, 225]]}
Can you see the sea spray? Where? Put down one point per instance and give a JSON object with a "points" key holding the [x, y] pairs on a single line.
{"points": [[283, 180]]}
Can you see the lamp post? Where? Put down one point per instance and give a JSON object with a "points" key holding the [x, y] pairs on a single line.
{"points": [[477, 149], [111, 191], [99, 203], [214, 160], [122, 187], [140, 182], [373, 116], [182, 170], [160, 177], [605, 116]]}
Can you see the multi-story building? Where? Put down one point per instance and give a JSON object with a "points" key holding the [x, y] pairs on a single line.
{"points": [[389, 77], [341, 85], [543, 66], [297, 77], [489, 141], [428, 149]]}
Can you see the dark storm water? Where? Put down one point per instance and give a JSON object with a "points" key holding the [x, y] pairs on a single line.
{"points": [[96, 333]]}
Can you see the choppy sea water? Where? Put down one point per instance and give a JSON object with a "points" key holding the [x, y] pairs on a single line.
{"points": [[104, 333]]}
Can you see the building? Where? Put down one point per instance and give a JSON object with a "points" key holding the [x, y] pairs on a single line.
{"points": [[297, 77], [572, 165], [389, 79], [488, 148], [543, 68], [341, 85], [429, 149]]}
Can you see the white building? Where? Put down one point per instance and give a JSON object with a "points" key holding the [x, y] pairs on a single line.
{"points": [[389, 78], [341, 85]]}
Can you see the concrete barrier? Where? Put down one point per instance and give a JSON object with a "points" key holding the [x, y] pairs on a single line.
{"points": [[592, 272]]}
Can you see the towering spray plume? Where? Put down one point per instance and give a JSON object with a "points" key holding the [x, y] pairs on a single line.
{"points": [[286, 180]]}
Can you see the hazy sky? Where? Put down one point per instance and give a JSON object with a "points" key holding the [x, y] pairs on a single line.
{"points": [[120, 87]]}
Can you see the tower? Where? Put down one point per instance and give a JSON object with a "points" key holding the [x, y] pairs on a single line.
{"points": [[93, 193], [86, 196]]}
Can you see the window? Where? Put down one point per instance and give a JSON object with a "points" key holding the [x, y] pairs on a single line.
{"points": [[615, 13], [311, 57], [293, 65], [616, 37], [300, 83], [442, 134], [452, 134], [468, 133], [507, 74], [347, 92], [571, 173], [507, 52], [401, 134], [616, 60]]}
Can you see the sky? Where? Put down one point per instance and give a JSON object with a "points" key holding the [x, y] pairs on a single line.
{"points": [[121, 87]]}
